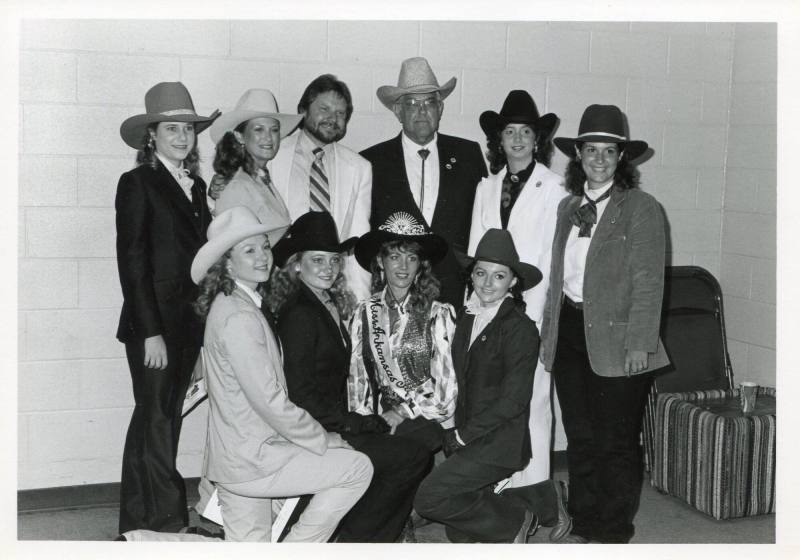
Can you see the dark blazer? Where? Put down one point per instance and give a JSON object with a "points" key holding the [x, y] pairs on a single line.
{"points": [[158, 234], [461, 167], [495, 383], [316, 358], [623, 283]]}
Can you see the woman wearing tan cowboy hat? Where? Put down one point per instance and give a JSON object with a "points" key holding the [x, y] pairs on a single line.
{"points": [[316, 359], [247, 138], [521, 196], [495, 350], [161, 222], [601, 321], [259, 444]]}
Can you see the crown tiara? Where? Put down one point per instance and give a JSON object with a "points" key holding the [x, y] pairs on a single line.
{"points": [[403, 223]]}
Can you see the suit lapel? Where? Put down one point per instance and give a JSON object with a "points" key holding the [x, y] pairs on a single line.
{"points": [[460, 350], [564, 225], [174, 193], [530, 192], [447, 175], [335, 331], [605, 227]]}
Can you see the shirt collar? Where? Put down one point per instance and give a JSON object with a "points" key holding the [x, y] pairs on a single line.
{"points": [[251, 293], [474, 307], [308, 144], [177, 172], [594, 194], [410, 146]]}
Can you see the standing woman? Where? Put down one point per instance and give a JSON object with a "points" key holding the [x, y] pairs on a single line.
{"points": [[246, 139], [521, 196], [401, 366], [601, 321], [161, 223]]}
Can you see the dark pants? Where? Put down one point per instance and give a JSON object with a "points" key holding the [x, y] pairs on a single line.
{"points": [[427, 432], [152, 492], [459, 493], [399, 464], [602, 419]]}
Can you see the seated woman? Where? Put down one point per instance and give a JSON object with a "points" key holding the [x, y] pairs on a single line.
{"points": [[316, 357], [259, 444], [401, 366], [495, 350]]}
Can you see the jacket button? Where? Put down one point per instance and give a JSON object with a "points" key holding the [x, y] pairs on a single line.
{"points": [[587, 302], [589, 325], [483, 338], [611, 323]]}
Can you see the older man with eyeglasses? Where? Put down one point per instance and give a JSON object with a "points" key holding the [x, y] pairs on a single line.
{"points": [[429, 175]]}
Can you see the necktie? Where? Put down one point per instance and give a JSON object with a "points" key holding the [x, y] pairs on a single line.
{"points": [[512, 186], [423, 154], [318, 184], [263, 174], [586, 216], [186, 182]]}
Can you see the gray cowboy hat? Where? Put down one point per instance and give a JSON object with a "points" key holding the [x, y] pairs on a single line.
{"points": [[415, 76], [252, 104], [602, 123], [497, 246]]}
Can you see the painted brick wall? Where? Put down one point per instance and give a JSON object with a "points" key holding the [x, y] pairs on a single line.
{"points": [[700, 94]]}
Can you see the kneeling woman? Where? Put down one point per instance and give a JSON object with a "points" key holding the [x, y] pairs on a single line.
{"points": [[259, 444], [495, 350]]}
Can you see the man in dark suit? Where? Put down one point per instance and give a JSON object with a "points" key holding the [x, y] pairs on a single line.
{"points": [[429, 175]]}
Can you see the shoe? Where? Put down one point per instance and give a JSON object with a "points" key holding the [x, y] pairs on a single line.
{"points": [[564, 523], [573, 539], [529, 526]]}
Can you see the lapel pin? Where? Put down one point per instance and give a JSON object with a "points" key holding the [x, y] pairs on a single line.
{"points": [[448, 166], [483, 338], [538, 184], [452, 160]]}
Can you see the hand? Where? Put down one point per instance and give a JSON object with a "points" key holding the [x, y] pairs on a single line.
{"points": [[393, 418], [335, 441], [635, 361], [375, 424], [155, 352]]}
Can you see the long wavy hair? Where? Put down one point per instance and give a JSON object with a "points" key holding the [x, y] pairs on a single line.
{"points": [[626, 176], [217, 280], [146, 155], [516, 289], [542, 150], [425, 288], [231, 155], [285, 282]]}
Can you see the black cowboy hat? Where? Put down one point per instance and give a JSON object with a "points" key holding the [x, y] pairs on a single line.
{"points": [[497, 246], [602, 123], [519, 108], [313, 231], [400, 226]]}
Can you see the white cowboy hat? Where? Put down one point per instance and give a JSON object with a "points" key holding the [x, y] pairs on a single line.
{"points": [[226, 230], [252, 104], [416, 76]]}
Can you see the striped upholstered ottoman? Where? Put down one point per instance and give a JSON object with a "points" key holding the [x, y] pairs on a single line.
{"points": [[711, 455]]}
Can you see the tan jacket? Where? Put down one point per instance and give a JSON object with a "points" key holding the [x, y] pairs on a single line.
{"points": [[253, 427], [623, 283]]}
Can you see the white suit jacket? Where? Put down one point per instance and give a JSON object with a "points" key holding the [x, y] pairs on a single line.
{"points": [[350, 185], [532, 225]]}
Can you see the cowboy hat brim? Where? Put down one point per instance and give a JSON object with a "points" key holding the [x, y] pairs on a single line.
{"points": [[492, 122], [133, 129], [213, 250], [632, 148], [389, 95], [434, 247], [229, 121], [288, 246], [528, 275]]}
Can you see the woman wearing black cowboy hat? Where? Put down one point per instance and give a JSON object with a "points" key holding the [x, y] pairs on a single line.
{"points": [[162, 218], [316, 360], [601, 321]]}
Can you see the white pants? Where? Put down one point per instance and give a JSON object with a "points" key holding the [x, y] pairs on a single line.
{"points": [[540, 423], [337, 479]]}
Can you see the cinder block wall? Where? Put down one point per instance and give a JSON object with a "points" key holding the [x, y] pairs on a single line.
{"points": [[703, 96]]}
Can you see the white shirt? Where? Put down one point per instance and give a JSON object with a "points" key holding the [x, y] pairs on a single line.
{"points": [[578, 247], [301, 167], [180, 174], [252, 293], [483, 314], [414, 164]]}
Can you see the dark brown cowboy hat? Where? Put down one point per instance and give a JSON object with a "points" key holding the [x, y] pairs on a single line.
{"points": [[602, 123], [400, 226], [497, 246], [164, 102], [518, 108], [313, 231]]}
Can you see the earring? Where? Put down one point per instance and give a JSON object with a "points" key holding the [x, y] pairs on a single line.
{"points": [[150, 142]]}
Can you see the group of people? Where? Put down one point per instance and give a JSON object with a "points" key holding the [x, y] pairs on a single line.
{"points": [[356, 314]]}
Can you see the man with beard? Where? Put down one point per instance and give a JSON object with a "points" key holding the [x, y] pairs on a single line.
{"points": [[313, 171]]}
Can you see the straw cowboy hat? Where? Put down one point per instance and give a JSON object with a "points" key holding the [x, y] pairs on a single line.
{"points": [[400, 226], [518, 108], [252, 104], [313, 231], [497, 246], [416, 76], [164, 102], [602, 123], [226, 230]]}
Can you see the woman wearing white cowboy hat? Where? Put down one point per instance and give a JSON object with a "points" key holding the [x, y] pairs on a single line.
{"points": [[161, 219], [600, 334], [521, 196], [401, 366], [259, 444], [247, 138]]}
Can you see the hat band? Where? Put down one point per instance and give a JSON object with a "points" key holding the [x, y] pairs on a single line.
{"points": [[610, 135], [173, 112]]}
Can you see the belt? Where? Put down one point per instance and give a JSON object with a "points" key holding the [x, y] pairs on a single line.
{"points": [[573, 304]]}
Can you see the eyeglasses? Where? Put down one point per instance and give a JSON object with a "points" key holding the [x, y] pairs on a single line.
{"points": [[416, 104]]}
